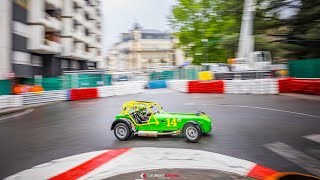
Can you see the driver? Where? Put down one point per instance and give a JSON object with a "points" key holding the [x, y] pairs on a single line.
{"points": [[144, 114]]}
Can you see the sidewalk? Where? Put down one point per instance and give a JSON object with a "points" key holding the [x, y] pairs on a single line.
{"points": [[302, 96], [22, 108]]}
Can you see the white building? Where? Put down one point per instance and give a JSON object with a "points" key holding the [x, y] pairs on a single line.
{"points": [[142, 49], [47, 37]]}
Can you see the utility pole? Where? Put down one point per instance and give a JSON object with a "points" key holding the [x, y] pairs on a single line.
{"points": [[246, 40]]}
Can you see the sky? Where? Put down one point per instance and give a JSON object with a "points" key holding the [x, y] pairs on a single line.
{"points": [[119, 16]]}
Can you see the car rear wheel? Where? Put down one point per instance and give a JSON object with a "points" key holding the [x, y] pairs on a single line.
{"points": [[192, 133], [122, 131]]}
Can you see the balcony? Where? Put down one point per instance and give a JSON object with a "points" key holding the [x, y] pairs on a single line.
{"points": [[79, 33], [79, 16], [91, 14], [91, 54], [67, 30], [93, 2], [67, 10], [38, 14], [43, 43], [80, 3], [54, 4], [51, 23]]}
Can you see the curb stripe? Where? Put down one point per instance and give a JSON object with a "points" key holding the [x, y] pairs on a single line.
{"points": [[260, 172], [90, 165]]}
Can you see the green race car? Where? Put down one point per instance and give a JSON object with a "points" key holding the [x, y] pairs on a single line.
{"points": [[148, 119]]}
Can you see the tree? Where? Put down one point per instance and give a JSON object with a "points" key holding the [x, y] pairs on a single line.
{"points": [[291, 28], [203, 25]]}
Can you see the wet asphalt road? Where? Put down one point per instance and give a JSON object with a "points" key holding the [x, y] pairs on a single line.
{"points": [[68, 128]]}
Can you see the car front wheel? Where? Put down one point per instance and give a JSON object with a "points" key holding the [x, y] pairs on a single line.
{"points": [[193, 133], [122, 131]]}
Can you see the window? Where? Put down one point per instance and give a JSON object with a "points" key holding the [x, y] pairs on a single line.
{"points": [[87, 48], [75, 65], [64, 64], [87, 32], [87, 16], [36, 61], [21, 58]]}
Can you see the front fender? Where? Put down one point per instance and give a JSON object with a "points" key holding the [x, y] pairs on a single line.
{"points": [[122, 120], [191, 122]]}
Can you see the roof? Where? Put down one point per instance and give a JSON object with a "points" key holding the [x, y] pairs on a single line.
{"points": [[140, 102], [131, 103]]}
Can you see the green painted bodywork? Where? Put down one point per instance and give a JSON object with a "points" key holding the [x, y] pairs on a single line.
{"points": [[159, 121]]}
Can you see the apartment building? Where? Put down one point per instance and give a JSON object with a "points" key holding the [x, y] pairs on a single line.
{"points": [[47, 37], [142, 49]]}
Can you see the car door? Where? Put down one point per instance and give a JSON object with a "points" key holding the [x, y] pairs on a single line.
{"points": [[165, 122]]}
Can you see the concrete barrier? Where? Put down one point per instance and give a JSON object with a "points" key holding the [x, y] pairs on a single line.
{"points": [[255, 86], [44, 96], [133, 87], [157, 84], [178, 85], [10, 101]]}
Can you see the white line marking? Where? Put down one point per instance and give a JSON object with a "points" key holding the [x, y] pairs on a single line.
{"points": [[19, 114], [300, 159], [254, 107], [313, 137]]}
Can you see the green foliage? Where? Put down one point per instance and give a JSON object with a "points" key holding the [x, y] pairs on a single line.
{"points": [[290, 28], [202, 26]]}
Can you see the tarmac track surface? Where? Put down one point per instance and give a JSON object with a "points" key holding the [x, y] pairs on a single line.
{"points": [[244, 126]]}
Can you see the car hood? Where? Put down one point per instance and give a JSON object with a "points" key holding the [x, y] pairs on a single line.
{"points": [[193, 116]]}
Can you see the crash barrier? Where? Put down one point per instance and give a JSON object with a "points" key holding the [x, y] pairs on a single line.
{"points": [[44, 96], [205, 75], [122, 89], [303, 86], [82, 93], [256, 86], [206, 86], [284, 85], [10, 101], [157, 84], [178, 85]]}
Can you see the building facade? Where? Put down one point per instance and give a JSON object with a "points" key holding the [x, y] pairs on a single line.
{"points": [[141, 49], [47, 37]]}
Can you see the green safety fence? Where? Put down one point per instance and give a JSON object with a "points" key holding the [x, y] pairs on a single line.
{"points": [[190, 74], [5, 87], [71, 81], [309, 68]]}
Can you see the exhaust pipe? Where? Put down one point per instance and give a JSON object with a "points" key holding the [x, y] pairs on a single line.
{"points": [[148, 133], [156, 134]]}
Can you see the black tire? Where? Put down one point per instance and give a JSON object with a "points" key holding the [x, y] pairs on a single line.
{"points": [[122, 131], [192, 132]]}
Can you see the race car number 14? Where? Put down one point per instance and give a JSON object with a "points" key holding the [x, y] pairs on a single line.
{"points": [[172, 122]]}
